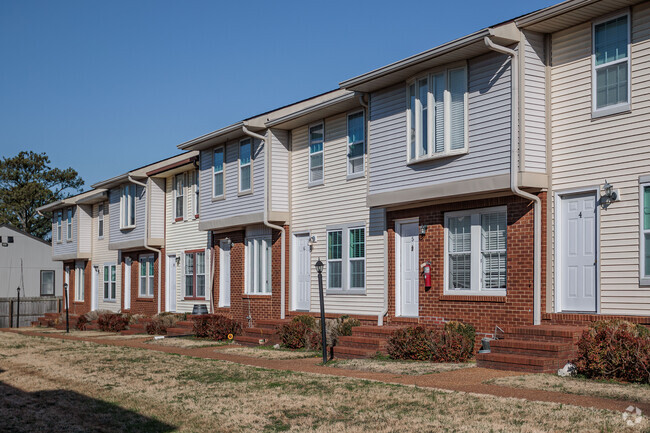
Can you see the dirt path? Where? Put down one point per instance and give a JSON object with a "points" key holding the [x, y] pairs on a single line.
{"points": [[468, 380]]}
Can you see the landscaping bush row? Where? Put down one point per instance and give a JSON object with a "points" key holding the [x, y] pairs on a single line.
{"points": [[215, 327], [160, 322], [452, 343], [304, 332], [614, 349]]}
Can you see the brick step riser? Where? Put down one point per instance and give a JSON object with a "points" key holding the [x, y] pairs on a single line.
{"points": [[367, 346], [569, 354], [255, 341], [543, 338]]}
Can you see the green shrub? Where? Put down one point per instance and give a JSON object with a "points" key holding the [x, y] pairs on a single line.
{"points": [[215, 326], [464, 329], [453, 343], [614, 349]]}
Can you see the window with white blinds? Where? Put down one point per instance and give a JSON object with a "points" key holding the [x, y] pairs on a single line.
{"points": [[346, 259], [476, 251], [316, 139], [437, 114]]}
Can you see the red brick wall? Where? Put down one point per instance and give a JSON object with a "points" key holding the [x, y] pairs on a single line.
{"points": [[144, 305], [241, 304], [79, 307], [515, 309]]}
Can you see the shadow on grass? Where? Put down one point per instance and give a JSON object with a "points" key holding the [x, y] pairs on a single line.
{"points": [[68, 411]]}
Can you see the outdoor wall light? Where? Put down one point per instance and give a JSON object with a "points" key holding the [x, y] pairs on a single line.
{"points": [[423, 229], [609, 195], [319, 266], [228, 241]]}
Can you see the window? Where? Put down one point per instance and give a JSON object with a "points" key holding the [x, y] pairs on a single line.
{"points": [[59, 217], [346, 259], [127, 206], [218, 173], [316, 137], [179, 196], [644, 202], [47, 283], [79, 281], [356, 142], [110, 282], [437, 114], [100, 221], [245, 165], [475, 251], [10, 239], [146, 276], [69, 224], [195, 274], [258, 265], [611, 66], [196, 193]]}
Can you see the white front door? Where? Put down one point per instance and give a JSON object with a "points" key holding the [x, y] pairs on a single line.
{"points": [[301, 272], [171, 283], [409, 270], [127, 283], [93, 293], [578, 253], [224, 273]]}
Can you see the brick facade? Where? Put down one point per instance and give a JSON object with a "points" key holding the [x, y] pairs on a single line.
{"points": [[79, 307], [483, 312], [243, 305], [144, 305]]}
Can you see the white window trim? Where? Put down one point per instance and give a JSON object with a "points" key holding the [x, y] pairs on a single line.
{"points": [[59, 226], [322, 152], [125, 204], [224, 301], [152, 276], [110, 282], [194, 274], [345, 260], [476, 289], [625, 106], [250, 164], [644, 181], [79, 283], [195, 193], [69, 216], [222, 172], [179, 194], [431, 155], [363, 141], [100, 219], [250, 289]]}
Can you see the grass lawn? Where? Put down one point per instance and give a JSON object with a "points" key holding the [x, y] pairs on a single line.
{"points": [[268, 352], [72, 386], [397, 367], [186, 342], [575, 385]]}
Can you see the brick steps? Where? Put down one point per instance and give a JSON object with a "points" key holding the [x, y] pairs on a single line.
{"points": [[534, 349], [347, 352], [376, 344], [365, 342]]}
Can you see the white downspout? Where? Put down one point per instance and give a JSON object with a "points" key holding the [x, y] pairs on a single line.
{"points": [[146, 238], [514, 147], [266, 214]]}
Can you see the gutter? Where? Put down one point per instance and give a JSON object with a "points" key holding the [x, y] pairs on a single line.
{"points": [[146, 236], [514, 169], [267, 154]]}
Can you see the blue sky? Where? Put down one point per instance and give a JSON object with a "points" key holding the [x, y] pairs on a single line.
{"points": [[108, 86]]}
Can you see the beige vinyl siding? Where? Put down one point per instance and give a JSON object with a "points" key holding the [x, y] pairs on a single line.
{"points": [[83, 228], [102, 255], [337, 201], [183, 236], [280, 170], [585, 152], [157, 206], [534, 103]]}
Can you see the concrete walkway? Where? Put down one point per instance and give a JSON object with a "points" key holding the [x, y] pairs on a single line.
{"points": [[470, 380]]}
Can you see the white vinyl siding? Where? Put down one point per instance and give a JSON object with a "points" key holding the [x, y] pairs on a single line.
{"points": [[437, 114], [316, 157], [127, 206], [258, 265], [102, 255], [146, 279], [79, 281], [611, 65], [100, 222], [110, 282], [218, 174], [356, 142], [179, 196], [245, 175], [475, 252]]}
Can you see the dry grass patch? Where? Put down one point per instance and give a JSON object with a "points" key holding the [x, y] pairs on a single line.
{"points": [[186, 342], [398, 367], [574, 385], [265, 352], [128, 389]]}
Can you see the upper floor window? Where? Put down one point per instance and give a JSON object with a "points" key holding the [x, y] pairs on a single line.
{"points": [[59, 218], [218, 174], [245, 152], [69, 224], [127, 206], [100, 221], [195, 274], [611, 65], [476, 251], [316, 138], [437, 114], [179, 196], [356, 142], [196, 193]]}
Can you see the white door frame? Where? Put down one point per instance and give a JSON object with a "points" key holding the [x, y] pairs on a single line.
{"points": [[398, 261], [222, 296], [168, 279], [94, 303], [126, 282], [294, 267], [557, 255]]}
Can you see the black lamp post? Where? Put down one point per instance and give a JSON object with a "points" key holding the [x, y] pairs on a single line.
{"points": [[18, 309], [65, 295], [319, 269]]}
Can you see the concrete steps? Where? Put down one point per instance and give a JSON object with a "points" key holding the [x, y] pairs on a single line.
{"points": [[533, 349]]}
